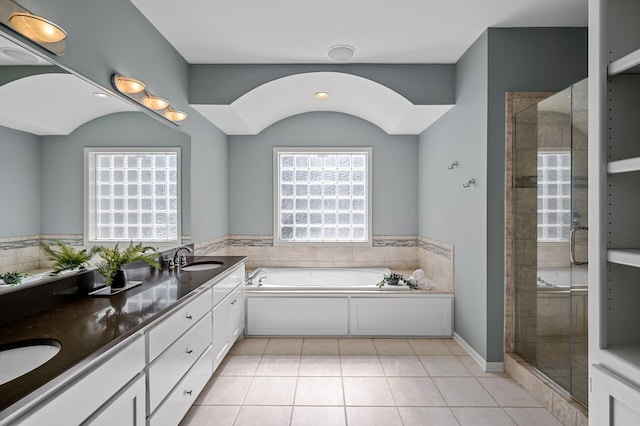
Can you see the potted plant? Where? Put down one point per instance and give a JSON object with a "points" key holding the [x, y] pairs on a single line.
{"points": [[114, 259], [67, 258], [12, 278], [394, 279]]}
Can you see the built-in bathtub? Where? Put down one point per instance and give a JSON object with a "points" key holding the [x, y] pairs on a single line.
{"points": [[320, 279], [341, 302]]}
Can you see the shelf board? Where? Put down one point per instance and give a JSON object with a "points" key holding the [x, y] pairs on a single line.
{"points": [[629, 257], [624, 166], [627, 63], [628, 353]]}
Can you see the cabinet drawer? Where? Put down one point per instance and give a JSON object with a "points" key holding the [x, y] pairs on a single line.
{"points": [[169, 368], [172, 327], [227, 284], [81, 399], [124, 409], [184, 394]]}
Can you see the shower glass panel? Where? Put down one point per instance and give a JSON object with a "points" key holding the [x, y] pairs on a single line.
{"points": [[550, 238]]}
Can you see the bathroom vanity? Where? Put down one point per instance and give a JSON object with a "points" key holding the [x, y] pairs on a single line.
{"points": [[139, 357]]}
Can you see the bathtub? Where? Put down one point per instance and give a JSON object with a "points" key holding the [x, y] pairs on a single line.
{"points": [[341, 302], [301, 279]]}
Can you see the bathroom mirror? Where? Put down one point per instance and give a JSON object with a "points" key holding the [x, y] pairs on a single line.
{"points": [[47, 116]]}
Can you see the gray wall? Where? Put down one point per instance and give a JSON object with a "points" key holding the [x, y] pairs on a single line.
{"points": [[447, 211], [113, 36], [422, 84], [20, 189], [523, 59], [395, 170], [62, 165], [503, 59]]}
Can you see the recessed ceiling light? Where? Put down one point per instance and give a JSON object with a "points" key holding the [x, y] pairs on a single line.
{"points": [[321, 95], [19, 55], [100, 95], [341, 52]]}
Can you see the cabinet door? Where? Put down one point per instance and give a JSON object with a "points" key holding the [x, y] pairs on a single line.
{"points": [[614, 401], [125, 409], [236, 315], [220, 345]]}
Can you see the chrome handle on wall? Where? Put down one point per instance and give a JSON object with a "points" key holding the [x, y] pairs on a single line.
{"points": [[572, 245]]}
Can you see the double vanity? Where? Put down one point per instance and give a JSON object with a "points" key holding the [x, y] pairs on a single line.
{"points": [[138, 357]]}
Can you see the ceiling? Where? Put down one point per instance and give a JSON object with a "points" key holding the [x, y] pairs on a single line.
{"points": [[302, 31]]}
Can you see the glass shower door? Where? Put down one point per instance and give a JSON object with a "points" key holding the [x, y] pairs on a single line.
{"points": [[550, 238]]}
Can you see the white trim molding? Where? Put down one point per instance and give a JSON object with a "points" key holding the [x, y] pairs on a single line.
{"points": [[488, 367]]}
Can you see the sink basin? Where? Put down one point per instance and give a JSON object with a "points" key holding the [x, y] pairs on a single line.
{"points": [[201, 266], [19, 358]]}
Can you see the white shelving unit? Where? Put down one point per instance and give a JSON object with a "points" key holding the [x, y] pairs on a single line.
{"points": [[614, 211]]}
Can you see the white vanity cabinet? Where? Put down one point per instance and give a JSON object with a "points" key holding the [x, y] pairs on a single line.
{"points": [[175, 345], [228, 319], [94, 397]]}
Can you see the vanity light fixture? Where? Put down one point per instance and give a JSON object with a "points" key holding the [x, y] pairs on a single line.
{"points": [[127, 85], [37, 29], [134, 90], [154, 102], [321, 95], [174, 114]]}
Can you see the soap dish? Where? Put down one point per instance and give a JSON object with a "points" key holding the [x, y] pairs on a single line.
{"points": [[108, 291]]}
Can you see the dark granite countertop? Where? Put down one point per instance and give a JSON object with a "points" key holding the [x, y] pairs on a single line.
{"points": [[87, 326]]}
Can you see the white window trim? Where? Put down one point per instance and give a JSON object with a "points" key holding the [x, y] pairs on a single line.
{"points": [[276, 198], [89, 193]]}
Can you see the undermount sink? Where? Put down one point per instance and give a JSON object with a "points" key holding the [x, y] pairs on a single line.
{"points": [[201, 266], [19, 358]]}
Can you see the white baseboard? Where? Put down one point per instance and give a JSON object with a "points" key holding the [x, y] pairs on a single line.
{"points": [[488, 367]]}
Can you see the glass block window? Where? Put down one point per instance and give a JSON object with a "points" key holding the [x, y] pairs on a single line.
{"points": [[323, 195], [554, 196], [133, 195]]}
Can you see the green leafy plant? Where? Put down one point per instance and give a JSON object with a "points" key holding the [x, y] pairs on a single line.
{"points": [[12, 278], [114, 259], [66, 257], [394, 279]]}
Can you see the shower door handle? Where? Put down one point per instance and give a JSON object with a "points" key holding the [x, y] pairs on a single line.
{"points": [[572, 244]]}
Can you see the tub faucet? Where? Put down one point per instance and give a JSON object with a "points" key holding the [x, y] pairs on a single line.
{"points": [[181, 260]]}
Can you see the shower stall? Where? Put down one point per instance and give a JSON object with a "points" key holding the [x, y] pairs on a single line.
{"points": [[550, 238]]}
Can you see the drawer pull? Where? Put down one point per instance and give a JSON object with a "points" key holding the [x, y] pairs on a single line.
{"points": [[189, 351], [189, 392], [189, 317]]}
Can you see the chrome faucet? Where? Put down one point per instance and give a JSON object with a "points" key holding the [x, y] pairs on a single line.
{"points": [[181, 260]]}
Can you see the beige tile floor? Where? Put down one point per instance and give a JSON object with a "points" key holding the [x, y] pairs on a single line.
{"points": [[354, 382]]}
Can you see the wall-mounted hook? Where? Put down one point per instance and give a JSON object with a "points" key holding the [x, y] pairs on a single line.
{"points": [[452, 165], [469, 183]]}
